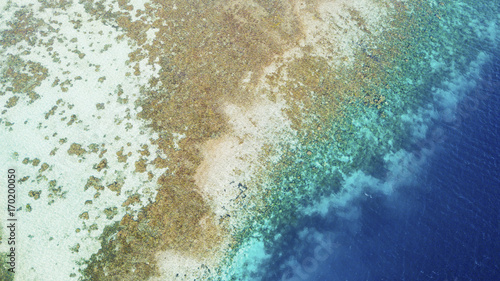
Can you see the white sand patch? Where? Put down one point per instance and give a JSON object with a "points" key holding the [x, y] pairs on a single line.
{"points": [[232, 160], [175, 265]]}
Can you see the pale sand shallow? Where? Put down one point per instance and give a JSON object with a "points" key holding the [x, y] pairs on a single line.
{"points": [[233, 159]]}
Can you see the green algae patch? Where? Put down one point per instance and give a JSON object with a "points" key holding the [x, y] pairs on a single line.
{"points": [[12, 102], [5, 273], [76, 149], [22, 77]]}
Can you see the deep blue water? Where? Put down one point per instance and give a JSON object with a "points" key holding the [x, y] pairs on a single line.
{"points": [[444, 226]]}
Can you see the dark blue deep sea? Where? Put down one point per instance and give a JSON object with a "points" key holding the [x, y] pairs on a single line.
{"points": [[443, 226]]}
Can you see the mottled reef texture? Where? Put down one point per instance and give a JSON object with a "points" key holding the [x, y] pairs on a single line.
{"points": [[215, 53]]}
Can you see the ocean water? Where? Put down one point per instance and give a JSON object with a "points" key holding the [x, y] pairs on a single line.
{"points": [[443, 225], [275, 140]]}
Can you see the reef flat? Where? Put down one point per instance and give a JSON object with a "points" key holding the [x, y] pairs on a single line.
{"points": [[183, 140]]}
